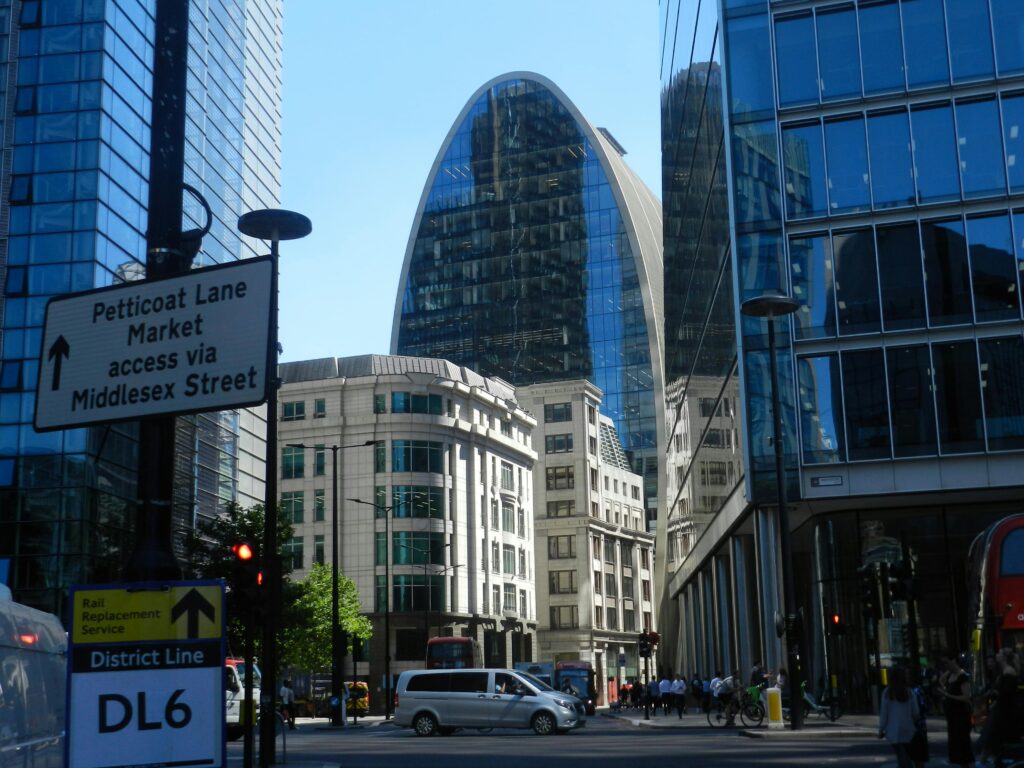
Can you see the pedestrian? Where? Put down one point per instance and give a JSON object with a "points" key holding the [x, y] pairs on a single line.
{"points": [[287, 696], [705, 699], [955, 691], [898, 719], [1003, 723], [636, 694], [654, 694], [665, 694], [679, 695], [696, 691], [346, 694]]}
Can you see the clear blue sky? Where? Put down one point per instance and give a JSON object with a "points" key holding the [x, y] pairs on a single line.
{"points": [[371, 88]]}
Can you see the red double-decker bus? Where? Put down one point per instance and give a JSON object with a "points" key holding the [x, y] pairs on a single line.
{"points": [[995, 578], [454, 653]]}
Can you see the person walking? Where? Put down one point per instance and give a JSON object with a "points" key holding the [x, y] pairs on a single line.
{"points": [[955, 691], [1003, 723], [678, 691], [898, 719], [287, 695], [665, 694], [654, 693]]}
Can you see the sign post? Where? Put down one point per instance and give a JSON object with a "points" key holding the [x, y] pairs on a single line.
{"points": [[179, 345], [145, 675]]}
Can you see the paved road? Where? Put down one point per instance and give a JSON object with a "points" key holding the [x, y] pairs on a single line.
{"points": [[605, 743]]}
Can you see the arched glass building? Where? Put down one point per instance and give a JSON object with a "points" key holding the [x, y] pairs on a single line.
{"points": [[535, 256]]}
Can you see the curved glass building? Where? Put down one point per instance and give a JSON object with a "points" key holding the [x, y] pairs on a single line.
{"points": [[535, 256]]}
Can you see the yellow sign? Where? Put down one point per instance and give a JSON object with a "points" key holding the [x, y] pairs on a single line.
{"points": [[181, 612]]}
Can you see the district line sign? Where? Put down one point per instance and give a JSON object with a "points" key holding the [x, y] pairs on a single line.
{"points": [[184, 344], [146, 675]]}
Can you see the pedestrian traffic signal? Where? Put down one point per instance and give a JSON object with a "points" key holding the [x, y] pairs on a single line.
{"points": [[869, 592], [645, 645], [246, 580], [835, 624]]}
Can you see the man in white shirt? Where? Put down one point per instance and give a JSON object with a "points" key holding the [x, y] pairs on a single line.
{"points": [[288, 703], [665, 694], [679, 695]]}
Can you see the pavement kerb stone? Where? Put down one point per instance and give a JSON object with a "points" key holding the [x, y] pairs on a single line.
{"points": [[856, 726]]}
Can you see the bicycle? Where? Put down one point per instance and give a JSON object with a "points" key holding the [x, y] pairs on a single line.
{"points": [[752, 709], [723, 711]]}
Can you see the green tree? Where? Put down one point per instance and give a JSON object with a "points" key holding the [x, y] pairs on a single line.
{"points": [[307, 641]]}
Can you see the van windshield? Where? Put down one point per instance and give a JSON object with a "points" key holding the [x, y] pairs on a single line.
{"points": [[256, 677], [540, 685]]}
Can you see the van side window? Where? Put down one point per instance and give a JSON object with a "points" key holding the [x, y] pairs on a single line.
{"points": [[469, 682], [229, 680], [431, 682]]}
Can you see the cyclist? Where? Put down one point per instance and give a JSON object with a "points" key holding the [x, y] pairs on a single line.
{"points": [[729, 695]]}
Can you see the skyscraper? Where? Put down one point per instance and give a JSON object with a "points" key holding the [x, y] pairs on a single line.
{"points": [[535, 256], [863, 160], [78, 106]]}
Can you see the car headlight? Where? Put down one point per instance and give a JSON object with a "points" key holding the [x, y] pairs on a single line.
{"points": [[564, 703]]}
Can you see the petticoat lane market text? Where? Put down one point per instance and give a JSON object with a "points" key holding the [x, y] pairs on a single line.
{"points": [[149, 331]]}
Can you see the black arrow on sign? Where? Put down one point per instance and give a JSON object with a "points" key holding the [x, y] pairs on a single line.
{"points": [[193, 603], [59, 350]]}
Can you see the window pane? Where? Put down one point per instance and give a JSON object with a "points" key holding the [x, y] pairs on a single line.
{"points": [[981, 150], [911, 402], [924, 39], [856, 282], [892, 180], [838, 59], [867, 412], [794, 52], [957, 397], [900, 277], [805, 171], [1008, 23], [970, 39], [881, 47], [749, 69], [993, 268], [935, 161], [847, 165], [821, 409], [947, 272], [760, 260], [1002, 374], [811, 264], [1018, 226], [1013, 136], [756, 166]]}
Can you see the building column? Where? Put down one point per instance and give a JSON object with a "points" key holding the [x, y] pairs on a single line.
{"points": [[766, 547]]}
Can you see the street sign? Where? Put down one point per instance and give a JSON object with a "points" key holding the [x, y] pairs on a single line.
{"points": [[155, 347], [145, 675]]}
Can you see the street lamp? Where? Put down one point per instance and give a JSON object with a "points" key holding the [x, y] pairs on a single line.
{"points": [[440, 608], [336, 694], [273, 225], [770, 305], [428, 607]]}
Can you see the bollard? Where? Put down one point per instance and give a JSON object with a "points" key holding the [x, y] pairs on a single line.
{"points": [[774, 695]]}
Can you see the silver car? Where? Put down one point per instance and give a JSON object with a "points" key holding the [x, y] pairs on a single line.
{"points": [[443, 700]]}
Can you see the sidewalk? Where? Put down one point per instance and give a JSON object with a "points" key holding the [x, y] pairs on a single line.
{"points": [[814, 727]]}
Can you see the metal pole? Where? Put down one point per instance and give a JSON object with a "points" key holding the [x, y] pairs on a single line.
{"points": [[793, 629], [336, 713], [387, 615]]}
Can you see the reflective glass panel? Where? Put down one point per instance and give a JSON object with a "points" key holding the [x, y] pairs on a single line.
{"points": [[810, 261], [794, 56], [803, 155], [881, 47], [924, 40], [838, 58], [847, 158], [900, 277], [957, 397], [947, 272], [1018, 228], [981, 152], [1013, 136], [856, 281], [993, 268], [1002, 376], [935, 163], [867, 410], [821, 408], [1008, 23], [749, 66], [970, 39], [756, 170], [911, 403], [760, 260], [892, 180]]}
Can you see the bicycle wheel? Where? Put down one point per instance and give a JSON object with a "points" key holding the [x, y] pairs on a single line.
{"points": [[717, 717], [835, 711], [752, 714]]}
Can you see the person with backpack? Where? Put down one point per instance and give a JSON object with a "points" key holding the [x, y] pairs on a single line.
{"points": [[899, 716]]}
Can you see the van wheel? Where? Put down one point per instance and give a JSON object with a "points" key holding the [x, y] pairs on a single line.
{"points": [[543, 724], [424, 724]]}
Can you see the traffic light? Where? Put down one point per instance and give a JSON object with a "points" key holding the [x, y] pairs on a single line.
{"points": [[869, 592], [246, 580], [836, 626], [901, 580], [645, 645]]}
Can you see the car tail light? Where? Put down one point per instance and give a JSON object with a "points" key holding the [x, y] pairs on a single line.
{"points": [[396, 700]]}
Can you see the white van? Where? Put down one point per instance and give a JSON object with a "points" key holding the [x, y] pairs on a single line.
{"points": [[33, 680], [234, 697], [444, 700]]}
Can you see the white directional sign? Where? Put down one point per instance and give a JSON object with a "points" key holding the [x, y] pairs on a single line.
{"points": [[180, 345]]}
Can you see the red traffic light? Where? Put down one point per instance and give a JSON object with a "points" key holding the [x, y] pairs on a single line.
{"points": [[836, 620], [243, 551]]}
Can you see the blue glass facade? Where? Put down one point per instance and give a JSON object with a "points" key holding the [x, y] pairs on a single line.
{"points": [[871, 168], [81, 80], [524, 261]]}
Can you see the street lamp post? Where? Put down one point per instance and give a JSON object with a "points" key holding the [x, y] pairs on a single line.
{"points": [[273, 225], [770, 305], [440, 607], [336, 694]]}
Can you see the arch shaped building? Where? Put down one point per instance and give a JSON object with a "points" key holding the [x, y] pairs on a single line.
{"points": [[535, 256]]}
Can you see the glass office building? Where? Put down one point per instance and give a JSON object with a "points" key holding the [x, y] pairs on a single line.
{"points": [[535, 256], [76, 84], [862, 158]]}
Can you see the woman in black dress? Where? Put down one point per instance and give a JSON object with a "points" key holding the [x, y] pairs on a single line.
{"points": [[956, 697]]}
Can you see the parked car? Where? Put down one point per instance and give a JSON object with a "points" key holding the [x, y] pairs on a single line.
{"points": [[442, 701]]}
